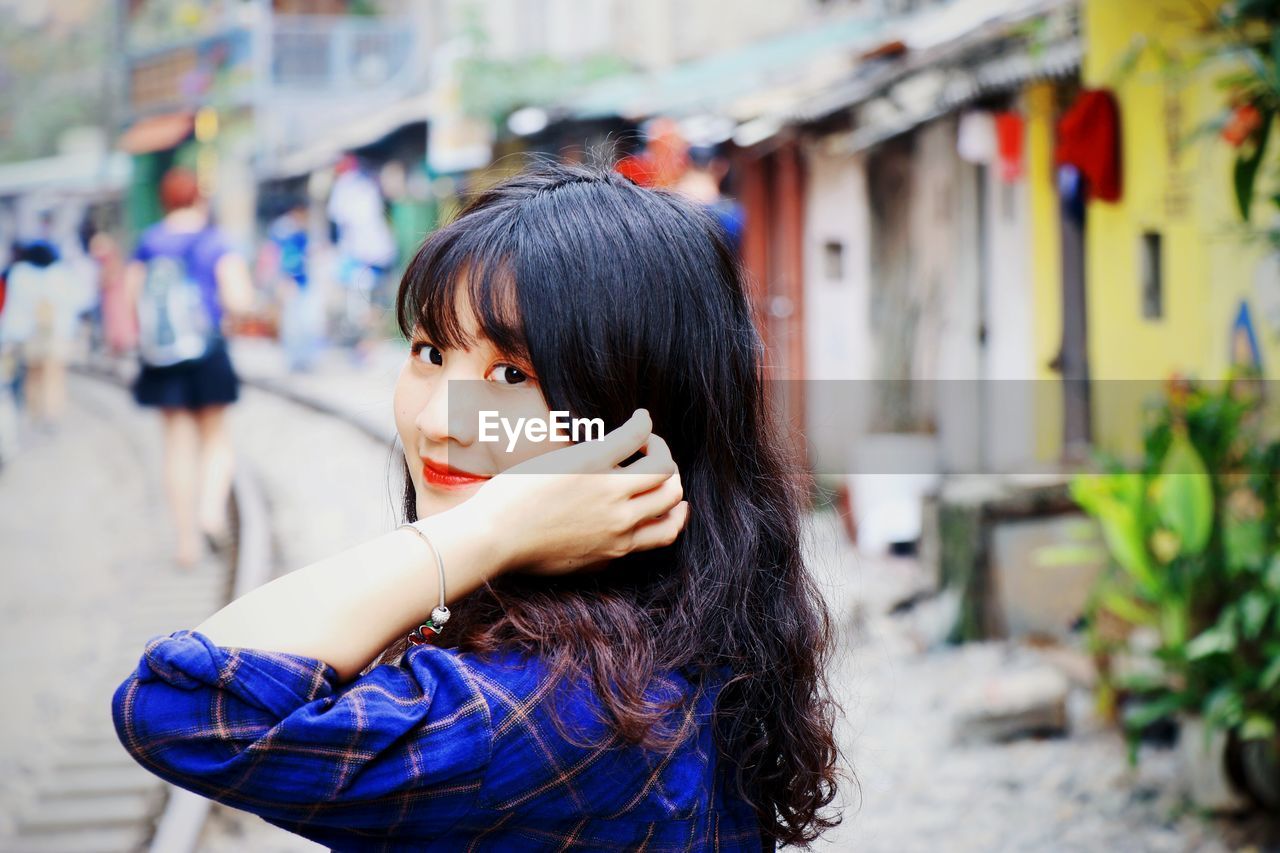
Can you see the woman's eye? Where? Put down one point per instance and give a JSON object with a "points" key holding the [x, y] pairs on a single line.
{"points": [[433, 354], [508, 375]]}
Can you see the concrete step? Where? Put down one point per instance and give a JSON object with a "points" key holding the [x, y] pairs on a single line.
{"points": [[99, 756], [120, 839], [98, 782], [63, 814]]}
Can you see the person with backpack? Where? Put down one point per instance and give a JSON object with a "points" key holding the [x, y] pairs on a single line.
{"points": [[183, 278], [38, 327]]}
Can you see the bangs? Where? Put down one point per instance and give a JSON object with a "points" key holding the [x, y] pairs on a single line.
{"points": [[469, 254]]}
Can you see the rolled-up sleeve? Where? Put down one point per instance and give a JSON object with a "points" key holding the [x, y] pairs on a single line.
{"points": [[402, 748]]}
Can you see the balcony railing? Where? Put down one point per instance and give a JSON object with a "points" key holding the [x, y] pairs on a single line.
{"points": [[332, 55]]}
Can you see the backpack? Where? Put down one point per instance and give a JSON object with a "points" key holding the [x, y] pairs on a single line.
{"points": [[174, 324]]}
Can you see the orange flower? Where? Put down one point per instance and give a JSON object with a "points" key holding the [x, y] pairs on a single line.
{"points": [[1245, 120]]}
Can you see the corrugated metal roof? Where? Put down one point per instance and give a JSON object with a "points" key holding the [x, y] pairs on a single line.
{"points": [[1001, 74], [708, 84], [806, 76]]}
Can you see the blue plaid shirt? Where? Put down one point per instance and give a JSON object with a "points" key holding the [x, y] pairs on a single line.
{"points": [[443, 751]]}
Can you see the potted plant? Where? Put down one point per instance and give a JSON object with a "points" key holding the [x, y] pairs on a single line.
{"points": [[1194, 534]]}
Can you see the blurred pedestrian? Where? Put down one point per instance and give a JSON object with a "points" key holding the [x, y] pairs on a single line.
{"points": [[119, 317], [366, 248], [38, 326], [10, 378], [702, 182], [302, 320], [183, 276]]}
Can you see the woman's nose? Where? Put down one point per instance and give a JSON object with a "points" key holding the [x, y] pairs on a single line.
{"points": [[444, 414]]}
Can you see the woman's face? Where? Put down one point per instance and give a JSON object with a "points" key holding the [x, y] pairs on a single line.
{"points": [[439, 397]]}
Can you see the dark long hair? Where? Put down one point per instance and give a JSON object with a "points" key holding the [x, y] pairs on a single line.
{"points": [[621, 297]]}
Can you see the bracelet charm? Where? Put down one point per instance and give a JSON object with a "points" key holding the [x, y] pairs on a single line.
{"points": [[440, 614], [427, 631]]}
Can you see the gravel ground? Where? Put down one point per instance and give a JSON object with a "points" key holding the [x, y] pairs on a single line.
{"points": [[918, 788]]}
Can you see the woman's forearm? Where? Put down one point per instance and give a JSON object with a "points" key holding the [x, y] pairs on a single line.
{"points": [[345, 609]]}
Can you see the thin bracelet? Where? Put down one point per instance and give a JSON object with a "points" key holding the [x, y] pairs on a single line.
{"points": [[440, 614]]}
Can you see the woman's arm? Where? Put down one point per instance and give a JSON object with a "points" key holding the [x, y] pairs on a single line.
{"points": [[276, 735], [559, 512], [402, 751], [135, 275], [235, 285], [347, 608]]}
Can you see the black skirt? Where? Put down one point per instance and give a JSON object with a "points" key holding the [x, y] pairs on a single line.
{"points": [[207, 381]]}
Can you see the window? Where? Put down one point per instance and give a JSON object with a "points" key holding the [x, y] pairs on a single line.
{"points": [[1152, 275], [833, 260]]}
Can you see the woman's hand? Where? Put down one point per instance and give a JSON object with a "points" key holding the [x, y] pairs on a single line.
{"points": [[575, 507]]}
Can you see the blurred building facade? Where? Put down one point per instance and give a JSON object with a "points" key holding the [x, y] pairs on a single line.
{"points": [[908, 210], [1175, 287]]}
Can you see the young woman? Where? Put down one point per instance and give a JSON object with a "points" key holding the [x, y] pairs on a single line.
{"points": [[193, 395], [631, 654]]}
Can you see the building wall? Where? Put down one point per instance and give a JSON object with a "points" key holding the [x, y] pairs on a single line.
{"points": [[906, 219], [1009, 425], [837, 289], [1183, 195], [839, 356], [1039, 103]]}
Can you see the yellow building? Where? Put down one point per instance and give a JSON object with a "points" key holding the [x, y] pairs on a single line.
{"points": [[1169, 267]]}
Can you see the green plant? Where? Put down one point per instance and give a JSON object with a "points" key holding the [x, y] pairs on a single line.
{"points": [[1194, 534], [1239, 42], [1251, 37]]}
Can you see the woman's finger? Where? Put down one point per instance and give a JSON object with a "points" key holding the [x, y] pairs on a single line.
{"points": [[650, 471], [621, 443], [661, 531], [657, 448], [658, 501]]}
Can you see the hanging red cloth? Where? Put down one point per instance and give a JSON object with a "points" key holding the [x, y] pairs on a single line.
{"points": [[1089, 139], [1010, 133]]}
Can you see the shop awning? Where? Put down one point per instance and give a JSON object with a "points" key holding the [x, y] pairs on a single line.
{"points": [[67, 173], [156, 133]]}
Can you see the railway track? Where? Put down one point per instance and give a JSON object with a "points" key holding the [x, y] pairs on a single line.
{"points": [[76, 790]]}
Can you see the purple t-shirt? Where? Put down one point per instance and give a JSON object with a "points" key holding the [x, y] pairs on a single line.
{"points": [[200, 249]]}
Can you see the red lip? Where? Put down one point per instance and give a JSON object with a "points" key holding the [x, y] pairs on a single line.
{"points": [[446, 477]]}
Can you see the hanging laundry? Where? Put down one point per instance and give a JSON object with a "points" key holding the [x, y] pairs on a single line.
{"points": [[1089, 139], [976, 137], [1010, 131], [1071, 193]]}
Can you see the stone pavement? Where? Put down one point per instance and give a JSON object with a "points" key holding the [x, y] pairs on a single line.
{"points": [[87, 581]]}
